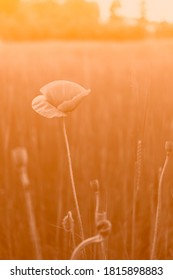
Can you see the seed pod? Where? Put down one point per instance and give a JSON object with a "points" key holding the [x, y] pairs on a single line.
{"points": [[100, 217], [104, 228], [68, 222]]}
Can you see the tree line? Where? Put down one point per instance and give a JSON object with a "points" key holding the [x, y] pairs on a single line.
{"points": [[73, 19]]}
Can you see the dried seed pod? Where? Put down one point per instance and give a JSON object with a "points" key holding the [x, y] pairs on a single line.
{"points": [[100, 217], [104, 228], [68, 222]]}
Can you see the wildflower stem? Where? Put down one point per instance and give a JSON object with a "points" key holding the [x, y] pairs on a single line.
{"points": [[156, 224], [72, 181], [95, 239], [103, 229]]}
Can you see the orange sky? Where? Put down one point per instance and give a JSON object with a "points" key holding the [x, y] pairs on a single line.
{"points": [[156, 9]]}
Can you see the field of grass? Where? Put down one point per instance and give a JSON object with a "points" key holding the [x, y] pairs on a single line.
{"points": [[131, 100]]}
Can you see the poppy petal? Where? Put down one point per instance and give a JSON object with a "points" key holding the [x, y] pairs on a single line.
{"points": [[45, 109], [57, 92], [70, 105], [54, 92]]}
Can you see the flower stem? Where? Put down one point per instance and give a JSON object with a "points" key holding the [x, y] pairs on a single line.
{"points": [[156, 224], [94, 239], [72, 181]]}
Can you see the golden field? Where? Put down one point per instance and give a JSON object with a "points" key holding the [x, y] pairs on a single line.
{"points": [[131, 100]]}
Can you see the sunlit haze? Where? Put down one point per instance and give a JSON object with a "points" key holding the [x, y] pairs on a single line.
{"points": [[157, 10]]}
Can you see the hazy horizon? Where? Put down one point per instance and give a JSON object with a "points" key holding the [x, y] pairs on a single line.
{"points": [[157, 10]]}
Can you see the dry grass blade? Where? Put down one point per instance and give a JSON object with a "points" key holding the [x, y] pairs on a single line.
{"points": [[20, 159]]}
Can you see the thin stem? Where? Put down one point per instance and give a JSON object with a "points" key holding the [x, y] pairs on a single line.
{"points": [[153, 249], [100, 216], [134, 220], [95, 239], [72, 181], [103, 250], [30, 213], [33, 227], [97, 199], [138, 164]]}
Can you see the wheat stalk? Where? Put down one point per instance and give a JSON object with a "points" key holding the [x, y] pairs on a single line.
{"points": [[138, 164], [168, 147]]}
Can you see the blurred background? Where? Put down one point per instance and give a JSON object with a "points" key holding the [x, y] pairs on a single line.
{"points": [[123, 52], [79, 19]]}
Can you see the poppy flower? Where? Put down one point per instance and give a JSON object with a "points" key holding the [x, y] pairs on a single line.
{"points": [[58, 98]]}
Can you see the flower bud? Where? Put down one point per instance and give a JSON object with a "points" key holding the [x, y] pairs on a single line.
{"points": [[68, 222]]}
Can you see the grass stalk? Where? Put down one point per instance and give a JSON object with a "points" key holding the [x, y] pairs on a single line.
{"points": [[31, 217], [138, 164], [158, 209], [20, 159], [99, 217]]}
